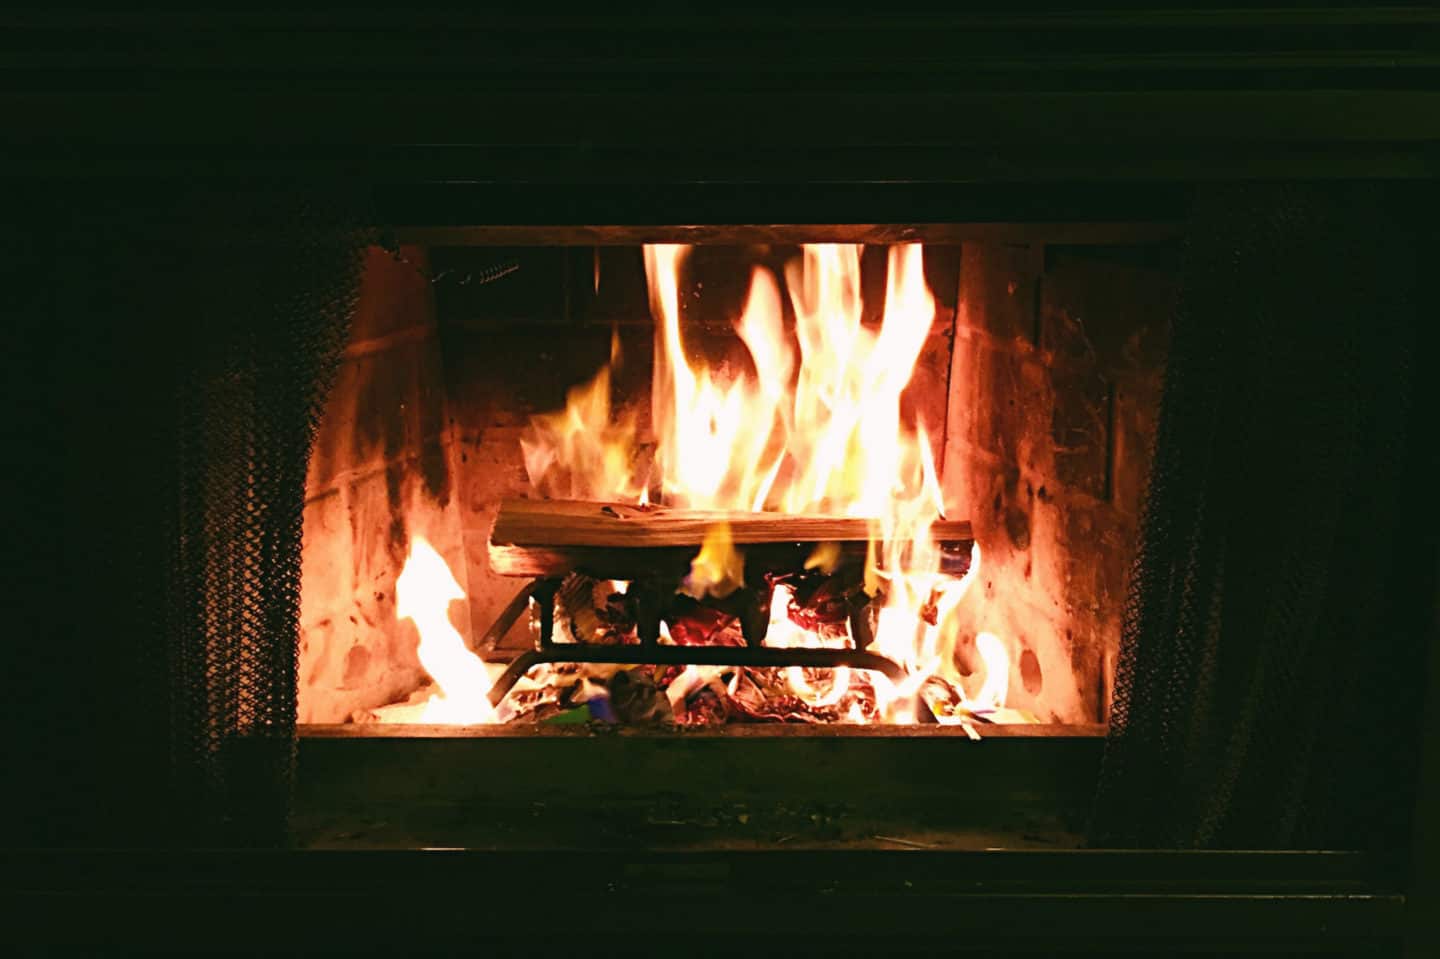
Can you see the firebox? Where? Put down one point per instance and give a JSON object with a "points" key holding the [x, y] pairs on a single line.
{"points": [[881, 482]]}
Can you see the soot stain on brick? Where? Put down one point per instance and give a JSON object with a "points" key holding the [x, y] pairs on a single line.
{"points": [[434, 469], [394, 476], [357, 663], [1014, 510], [435, 472], [380, 407], [1017, 527], [1030, 675]]}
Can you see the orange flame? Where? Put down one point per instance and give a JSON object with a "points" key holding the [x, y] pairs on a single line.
{"points": [[586, 450]]}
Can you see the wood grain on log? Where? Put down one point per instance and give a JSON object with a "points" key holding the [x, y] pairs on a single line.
{"points": [[552, 537]]}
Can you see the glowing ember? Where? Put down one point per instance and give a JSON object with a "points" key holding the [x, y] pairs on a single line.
{"points": [[784, 631]]}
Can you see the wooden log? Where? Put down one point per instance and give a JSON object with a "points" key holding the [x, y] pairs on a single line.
{"points": [[565, 523], [554, 537]]}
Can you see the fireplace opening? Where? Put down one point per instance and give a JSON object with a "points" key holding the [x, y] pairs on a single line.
{"points": [[754, 480]]}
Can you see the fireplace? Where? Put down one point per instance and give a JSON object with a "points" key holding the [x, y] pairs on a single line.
{"points": [[998, 527], [1047, 357]]}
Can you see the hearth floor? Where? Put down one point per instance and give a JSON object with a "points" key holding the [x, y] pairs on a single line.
{"points": [[664, 825]]}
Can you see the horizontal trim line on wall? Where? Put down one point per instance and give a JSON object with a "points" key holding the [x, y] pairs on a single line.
{"points": [[379, 344]]}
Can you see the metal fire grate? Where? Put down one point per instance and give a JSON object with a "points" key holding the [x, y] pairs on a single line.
{"points": [[651, 547]]}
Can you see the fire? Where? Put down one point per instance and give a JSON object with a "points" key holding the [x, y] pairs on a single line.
{"points": [[586, 450], [718, 569], [997, 671], [812, 425], [821, 436], [423, 593]]}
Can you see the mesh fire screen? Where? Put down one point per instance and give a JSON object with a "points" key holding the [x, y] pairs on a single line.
{"points": [[174, 344], [1265, 695], [284, 279]]}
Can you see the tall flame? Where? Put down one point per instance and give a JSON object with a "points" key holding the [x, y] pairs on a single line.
{"points": [[423, 593], [710, 430], [718, 569], [813, 425], [825, 437]]}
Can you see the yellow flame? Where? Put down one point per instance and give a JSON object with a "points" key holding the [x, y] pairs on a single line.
{"points": [[825, 557], [423, 593], [718, 569]]}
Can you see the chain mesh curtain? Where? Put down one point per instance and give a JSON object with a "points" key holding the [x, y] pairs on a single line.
{"points": [[175, 345], [279, 282], [1265, 692]]}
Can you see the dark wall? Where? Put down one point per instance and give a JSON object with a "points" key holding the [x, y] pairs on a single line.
{"points": [[87, 386], [961, 94]]}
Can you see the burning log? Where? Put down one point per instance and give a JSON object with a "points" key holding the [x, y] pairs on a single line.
{"points": [[616, 541]]}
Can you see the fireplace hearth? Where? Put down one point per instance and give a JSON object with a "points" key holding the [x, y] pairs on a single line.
{"points": [[934, 482]]}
